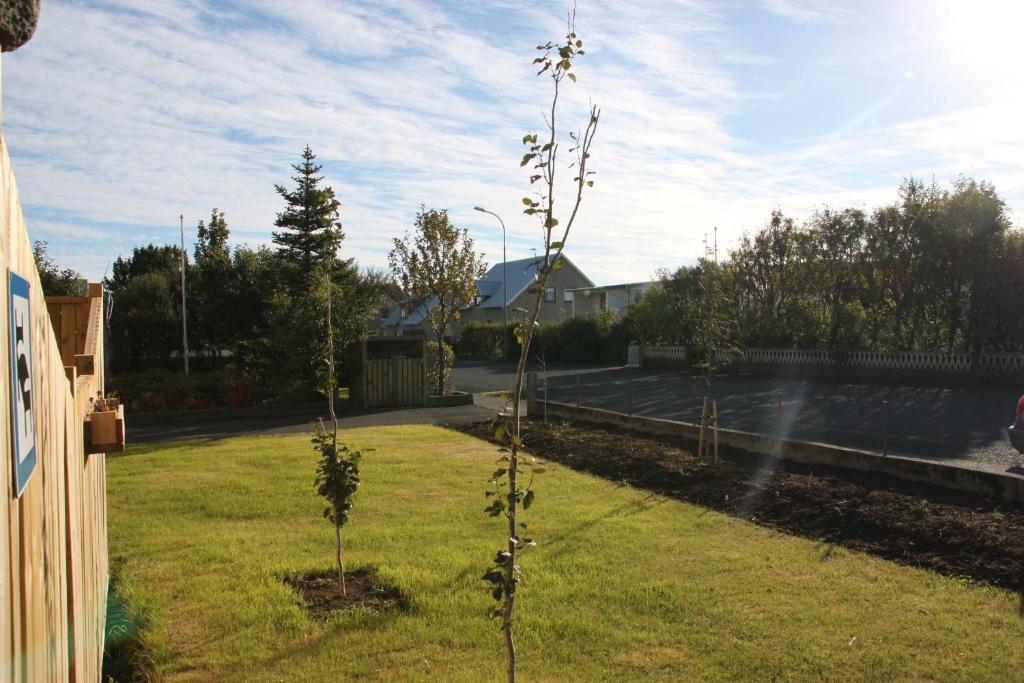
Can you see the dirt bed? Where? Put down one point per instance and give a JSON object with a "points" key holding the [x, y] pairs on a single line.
{"points": [[915, 524]]}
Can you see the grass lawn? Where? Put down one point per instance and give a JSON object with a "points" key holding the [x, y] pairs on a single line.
{"points": [[623, 584]]}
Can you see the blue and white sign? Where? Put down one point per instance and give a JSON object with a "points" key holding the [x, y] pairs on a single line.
{"points": [[23, 414]]}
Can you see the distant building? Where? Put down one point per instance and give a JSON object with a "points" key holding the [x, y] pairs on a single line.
{"points": [[616, 298], [557, 304]]}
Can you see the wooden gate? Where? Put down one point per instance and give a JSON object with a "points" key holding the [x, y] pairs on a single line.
{"points": [[394, 382]]}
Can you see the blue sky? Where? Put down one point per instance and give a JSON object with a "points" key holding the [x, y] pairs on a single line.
{"points": [[121, 116]]}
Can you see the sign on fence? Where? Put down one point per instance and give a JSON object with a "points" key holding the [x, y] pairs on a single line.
{"points": [[23, 445]]}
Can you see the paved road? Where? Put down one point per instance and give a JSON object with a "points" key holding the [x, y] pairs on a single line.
{"points": [[480, 376], [196, 427], [966, 425]]}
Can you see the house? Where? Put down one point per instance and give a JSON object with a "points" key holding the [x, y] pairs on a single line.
{"points": [[490, 304], [616, 298]]}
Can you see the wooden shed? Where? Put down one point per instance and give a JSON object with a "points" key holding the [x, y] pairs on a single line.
{"points": [[391, 373]]}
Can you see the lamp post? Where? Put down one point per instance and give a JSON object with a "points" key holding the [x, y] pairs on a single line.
{"points": [[184, 314], [504, 280]]}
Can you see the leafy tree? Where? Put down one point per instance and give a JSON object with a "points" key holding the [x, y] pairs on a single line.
{"points": [[437, 270], [210, 287], [509, 493], [56, 281], [310, 228], [145, 320]]}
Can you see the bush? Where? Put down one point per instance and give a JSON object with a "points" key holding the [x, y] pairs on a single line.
{"points": [[430, 357], [158, 390]]}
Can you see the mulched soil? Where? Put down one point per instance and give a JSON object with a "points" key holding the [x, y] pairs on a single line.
{"points": [[952, 533], [321, 592]]}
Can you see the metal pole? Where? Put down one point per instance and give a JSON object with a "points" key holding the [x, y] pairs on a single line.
{"points": [[504, 280], [184, 311]]}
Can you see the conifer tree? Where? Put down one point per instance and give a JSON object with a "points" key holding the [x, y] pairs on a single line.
{"points": [[310, 230]]}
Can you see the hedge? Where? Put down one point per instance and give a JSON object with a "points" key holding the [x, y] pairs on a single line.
{"points": [[595, 338]]}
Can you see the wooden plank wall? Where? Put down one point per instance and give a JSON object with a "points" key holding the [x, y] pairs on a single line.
{"points": [[394, 382], [53, 554]]}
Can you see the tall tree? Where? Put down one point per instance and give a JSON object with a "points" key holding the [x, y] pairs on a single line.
{"points": [[210, 286], [310, 227], [437, 269]]}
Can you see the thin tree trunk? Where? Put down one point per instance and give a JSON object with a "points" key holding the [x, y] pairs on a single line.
{"points": [[334, 419], [341, 562]]}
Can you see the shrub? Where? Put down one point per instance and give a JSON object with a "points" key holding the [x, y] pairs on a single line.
{"points": [[486, 341]]}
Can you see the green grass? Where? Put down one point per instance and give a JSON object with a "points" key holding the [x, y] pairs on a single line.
{"points": [[624, 585]]}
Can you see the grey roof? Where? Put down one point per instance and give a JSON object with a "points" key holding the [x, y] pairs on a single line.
{"points": [[521, 274]]}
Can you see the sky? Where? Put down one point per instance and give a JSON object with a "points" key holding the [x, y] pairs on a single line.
{"points": [[121, 116]]}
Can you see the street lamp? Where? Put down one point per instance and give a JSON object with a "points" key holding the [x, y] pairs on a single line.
{"points": [[504, 279]]}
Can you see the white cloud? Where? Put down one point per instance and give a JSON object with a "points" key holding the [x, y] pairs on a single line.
{"points": [[121, 117]]}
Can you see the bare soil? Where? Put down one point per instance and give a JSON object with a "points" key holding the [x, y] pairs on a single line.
{"points": [[953, 533], [321, 592]]}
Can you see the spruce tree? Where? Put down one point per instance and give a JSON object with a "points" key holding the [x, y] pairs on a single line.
{"points": [[310, 230]]}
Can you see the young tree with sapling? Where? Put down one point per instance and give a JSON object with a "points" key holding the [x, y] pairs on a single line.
{"points": [[437, 270], [337, 473], [508, 492]]}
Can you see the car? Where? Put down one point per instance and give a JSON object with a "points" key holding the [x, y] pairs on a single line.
{"points": [[1017, 428]]}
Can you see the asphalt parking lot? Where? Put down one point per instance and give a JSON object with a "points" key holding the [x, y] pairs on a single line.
{"points": [[963, 424]]}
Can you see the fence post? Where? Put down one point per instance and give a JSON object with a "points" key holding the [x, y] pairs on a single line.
{"points": [[531, 394], [714, 405], [579, 392], [885, 428]]}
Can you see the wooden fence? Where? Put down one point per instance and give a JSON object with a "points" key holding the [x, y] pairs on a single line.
{"points": [[53, 553], [393, 382]]}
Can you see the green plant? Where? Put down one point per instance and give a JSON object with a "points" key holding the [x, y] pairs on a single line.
{"points": [[437, 269], [556, 60], [433, 366], [337, 473]]}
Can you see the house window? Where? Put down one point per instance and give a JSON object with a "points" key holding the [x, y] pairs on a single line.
{"points": [[568, 296], [549, 294], [635, 295]]}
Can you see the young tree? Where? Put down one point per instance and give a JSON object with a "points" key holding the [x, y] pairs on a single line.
{"points": [[437, 269], [310, 229], [337, 474], [56, 281], [555, 60]]}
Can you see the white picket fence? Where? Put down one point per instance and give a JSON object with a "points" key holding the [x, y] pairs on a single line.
{"points": [[638, 354], [882, 360]]}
